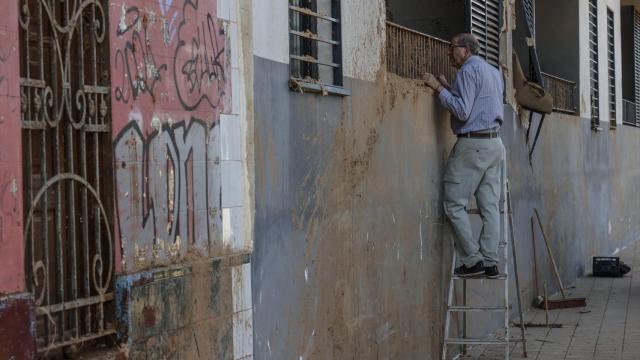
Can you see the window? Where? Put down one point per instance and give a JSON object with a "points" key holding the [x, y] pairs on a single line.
{"points": [[593, 62], [611, 67], [483, 19], [630, 79], [315, 46]]}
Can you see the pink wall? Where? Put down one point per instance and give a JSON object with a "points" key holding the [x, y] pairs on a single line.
{"points": [[11, 244], [170, 79]]}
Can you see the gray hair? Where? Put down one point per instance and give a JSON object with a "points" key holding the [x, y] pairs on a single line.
{"points": [[469, 41]]}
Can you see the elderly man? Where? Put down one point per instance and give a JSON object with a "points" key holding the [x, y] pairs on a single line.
{"points": [[475, 163]]}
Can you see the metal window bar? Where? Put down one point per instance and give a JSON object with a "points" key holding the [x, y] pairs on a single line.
{"points": [[593, 61], [304, 39], [611, 67], [411, 53], [65, 116], [629, 112], [564, 92]]}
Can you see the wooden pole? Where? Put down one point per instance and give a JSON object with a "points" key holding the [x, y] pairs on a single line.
{"points": [[553, 261]]}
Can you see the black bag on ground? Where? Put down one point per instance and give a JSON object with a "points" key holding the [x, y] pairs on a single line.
{"points": [[609, 266]]}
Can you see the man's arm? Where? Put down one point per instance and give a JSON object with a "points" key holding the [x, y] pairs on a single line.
{"points": [[459, 100]]}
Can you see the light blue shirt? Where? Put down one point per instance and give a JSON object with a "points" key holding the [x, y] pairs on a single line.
{"points": [[475, 99]]}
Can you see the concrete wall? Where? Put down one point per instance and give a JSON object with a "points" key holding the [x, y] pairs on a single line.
{"points": [[352, 249]]}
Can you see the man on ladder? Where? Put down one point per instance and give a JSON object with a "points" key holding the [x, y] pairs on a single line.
{"points": [[474, 165]]}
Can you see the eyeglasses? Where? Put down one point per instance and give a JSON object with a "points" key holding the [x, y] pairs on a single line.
{"points": [[456, 45]]}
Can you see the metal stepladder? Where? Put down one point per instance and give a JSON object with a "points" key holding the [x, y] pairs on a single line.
{"points": [[507, 234]]}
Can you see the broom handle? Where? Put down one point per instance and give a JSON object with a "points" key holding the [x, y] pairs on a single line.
{"points": [[553, 261]]}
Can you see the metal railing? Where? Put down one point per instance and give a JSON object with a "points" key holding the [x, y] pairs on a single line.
{"points": [[564, 93], [629, 113], [411, 53]]}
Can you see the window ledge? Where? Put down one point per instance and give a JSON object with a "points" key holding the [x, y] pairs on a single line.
{"points": [[307, 86]]}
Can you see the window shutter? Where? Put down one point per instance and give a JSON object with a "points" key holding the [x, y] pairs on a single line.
{"points": [[611, 67], [636, 62], [483, 21]]}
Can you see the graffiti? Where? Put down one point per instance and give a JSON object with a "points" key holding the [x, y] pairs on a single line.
{"points": [[198, 69], [168, 190], [140, 71], [168, 26], [4, 57]]}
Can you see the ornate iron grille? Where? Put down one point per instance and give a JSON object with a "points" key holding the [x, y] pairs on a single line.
{"points": [[64, 89]]}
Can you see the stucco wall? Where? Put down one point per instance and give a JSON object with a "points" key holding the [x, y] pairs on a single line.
{"points": [[12, 254], [182, 185], [352, 249]]}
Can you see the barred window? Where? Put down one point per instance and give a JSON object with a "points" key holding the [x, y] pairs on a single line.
{"points": [[611, 67], [593, 63], [315, 46]]}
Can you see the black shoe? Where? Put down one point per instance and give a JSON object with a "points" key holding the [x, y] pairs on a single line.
{"points": [[475, 270], [491, 272]]}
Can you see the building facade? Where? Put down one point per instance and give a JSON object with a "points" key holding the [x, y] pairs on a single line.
{"points": [[238, 179]]}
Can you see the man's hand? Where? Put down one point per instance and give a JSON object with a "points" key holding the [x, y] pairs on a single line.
{"points": [[431, 81], [443, 81]]}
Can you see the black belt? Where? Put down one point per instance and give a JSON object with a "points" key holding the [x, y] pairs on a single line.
{"points": [[480, 135]]}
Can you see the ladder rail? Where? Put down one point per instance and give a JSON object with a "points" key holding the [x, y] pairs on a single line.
{"points": [[507, 239]]}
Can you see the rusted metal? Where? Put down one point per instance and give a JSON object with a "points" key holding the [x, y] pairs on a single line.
{"points": [[65, 114], [564, 92], [411, 53]]}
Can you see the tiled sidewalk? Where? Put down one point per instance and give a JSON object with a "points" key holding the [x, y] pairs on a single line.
{"points": [[607, 329]]}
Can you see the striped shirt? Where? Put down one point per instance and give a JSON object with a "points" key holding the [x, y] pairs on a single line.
{"points": [[475, 99]]}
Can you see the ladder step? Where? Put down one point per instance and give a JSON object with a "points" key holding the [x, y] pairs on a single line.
{"points": [[472, 341], [501, 277], [477, 308], [477, 211]]}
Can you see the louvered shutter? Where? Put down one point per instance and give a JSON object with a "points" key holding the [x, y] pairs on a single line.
{"points": [[593, 61], [483, 21], [636, 62]]}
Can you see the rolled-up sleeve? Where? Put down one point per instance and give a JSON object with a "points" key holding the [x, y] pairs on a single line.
{"points": [[459, 100]]}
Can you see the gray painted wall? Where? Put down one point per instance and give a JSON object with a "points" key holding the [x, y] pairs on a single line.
{"points": [[351, 247]]}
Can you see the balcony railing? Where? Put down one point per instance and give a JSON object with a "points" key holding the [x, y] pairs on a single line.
{"points": [[630, 113], [411, 53], [564, 92]]}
